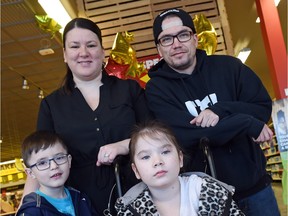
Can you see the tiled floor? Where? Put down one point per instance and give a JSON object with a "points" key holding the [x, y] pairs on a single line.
{"points": [[277, 187]]}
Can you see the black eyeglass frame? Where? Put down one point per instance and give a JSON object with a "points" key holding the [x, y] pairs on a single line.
{"points": [[175, 36], [49, 161]]}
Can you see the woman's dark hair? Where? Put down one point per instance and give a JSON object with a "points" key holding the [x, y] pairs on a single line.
{"points": [[77, 23], [82, 23]]}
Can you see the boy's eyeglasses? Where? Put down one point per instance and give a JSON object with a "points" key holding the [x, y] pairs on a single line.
{"points": [[45, 164], [169, 39]]}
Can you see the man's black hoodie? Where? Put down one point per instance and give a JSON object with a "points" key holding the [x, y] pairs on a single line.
{"points": [[231, 90]]}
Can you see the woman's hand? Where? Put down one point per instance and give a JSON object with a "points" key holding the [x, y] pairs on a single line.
{"points": [[108, 153], [31, 185]]}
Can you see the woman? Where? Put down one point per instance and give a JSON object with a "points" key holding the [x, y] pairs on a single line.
{"points": [[93, 112]]}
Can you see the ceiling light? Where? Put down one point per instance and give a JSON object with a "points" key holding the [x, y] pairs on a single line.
{"points": [[41, 94], [46, 51], [45, 47], [276, 2], [243, 54], [56, 11], [25, 84]]}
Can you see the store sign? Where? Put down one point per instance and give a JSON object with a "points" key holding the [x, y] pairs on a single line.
{"points": [[8, 171], [11, 172], [280, 122], [149, 61]]}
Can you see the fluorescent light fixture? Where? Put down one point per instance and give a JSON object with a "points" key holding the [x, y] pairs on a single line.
{"points": [[276, 2], [243, 54], [56, 11]]}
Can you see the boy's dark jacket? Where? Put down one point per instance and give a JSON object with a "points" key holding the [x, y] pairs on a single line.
{"points": [[36, 205], [242, 104]]}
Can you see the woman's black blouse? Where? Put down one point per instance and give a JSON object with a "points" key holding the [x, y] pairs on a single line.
{"points": [[122, 104]]}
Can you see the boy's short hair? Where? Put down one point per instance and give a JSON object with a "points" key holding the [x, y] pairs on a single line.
{"points": [[39, 140]]}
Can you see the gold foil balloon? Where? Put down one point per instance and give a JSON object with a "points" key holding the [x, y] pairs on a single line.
{"points": [[47, 24], [136, 69], [121, 52], [129, 36], [123, 55], [207, 36]]}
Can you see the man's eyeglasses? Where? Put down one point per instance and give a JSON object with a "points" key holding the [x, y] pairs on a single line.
{"points": [[169, 39], [45, 164]]}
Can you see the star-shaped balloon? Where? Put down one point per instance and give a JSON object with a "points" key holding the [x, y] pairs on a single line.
{"points": [[207, 36], [123, 55], [47, 24]]}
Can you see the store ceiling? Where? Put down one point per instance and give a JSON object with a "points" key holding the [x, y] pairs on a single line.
{"points": [[21, 39]]}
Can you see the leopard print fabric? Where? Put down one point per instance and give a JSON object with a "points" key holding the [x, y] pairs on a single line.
{"points": [[143, 204], [213, 197]]}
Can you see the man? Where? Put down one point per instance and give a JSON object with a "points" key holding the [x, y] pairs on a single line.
{"points": [[216, 97]]}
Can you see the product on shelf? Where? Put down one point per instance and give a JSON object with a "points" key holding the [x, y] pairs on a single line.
{"points": [[274, 164]]}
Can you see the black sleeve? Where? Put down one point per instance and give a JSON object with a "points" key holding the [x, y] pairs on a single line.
{"points": [[141, 109], [226, 130], [188, 134], [45, 121], [251, 97], [29, 211]]}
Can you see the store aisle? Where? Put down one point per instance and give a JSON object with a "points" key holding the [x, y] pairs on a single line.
{"points": [[277, 187]]}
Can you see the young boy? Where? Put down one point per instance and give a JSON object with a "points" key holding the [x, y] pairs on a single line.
{"points": [[46, 159]]}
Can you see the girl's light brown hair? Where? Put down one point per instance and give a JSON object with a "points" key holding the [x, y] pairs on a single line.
{"points": [[151, 129]]}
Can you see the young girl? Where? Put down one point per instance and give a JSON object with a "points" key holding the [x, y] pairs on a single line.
{"points": [[156, 160]]}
